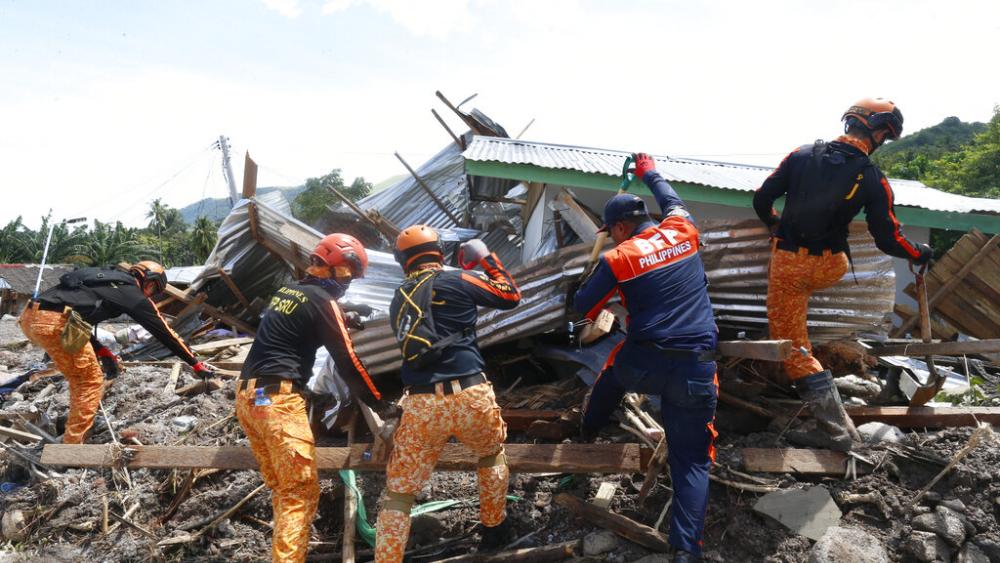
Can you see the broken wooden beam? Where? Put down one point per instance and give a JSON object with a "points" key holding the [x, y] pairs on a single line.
{"points": [[521, 419], [769, 350], [19, 434], [429, 192], [524, 458], [623, 526], [799, 461], [990, 346], [211, 310], [925, 417]]}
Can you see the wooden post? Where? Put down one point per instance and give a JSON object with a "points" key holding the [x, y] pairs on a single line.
{"points": [[249, 177], [427, 189], [454, 137], [625, 527]]}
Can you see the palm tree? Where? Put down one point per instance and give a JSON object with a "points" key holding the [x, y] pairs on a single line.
{"points": [[107, 245], [203, 237], [14, 243]]}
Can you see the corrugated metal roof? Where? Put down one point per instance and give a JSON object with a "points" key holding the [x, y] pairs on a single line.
{"points": [[723, 175]]}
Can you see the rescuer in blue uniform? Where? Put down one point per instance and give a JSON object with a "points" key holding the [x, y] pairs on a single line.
{"points": [[669, 351]]}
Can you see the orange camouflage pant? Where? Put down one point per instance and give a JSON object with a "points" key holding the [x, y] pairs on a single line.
{"points": [[283, 444], [428, 422], [82, 371], [792, 278]]}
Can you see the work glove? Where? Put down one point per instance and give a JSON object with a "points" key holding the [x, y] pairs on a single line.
{"points": [[110, 363], [925, 254], [353, 320], [471, 252], [643, 163]]}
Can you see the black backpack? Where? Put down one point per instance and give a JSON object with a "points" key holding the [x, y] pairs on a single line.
{"points": [[412, 321], [93, 277]]}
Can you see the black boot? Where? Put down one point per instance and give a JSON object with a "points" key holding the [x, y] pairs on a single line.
{"points": [[681, 556], [831, 427], [496, 538]]}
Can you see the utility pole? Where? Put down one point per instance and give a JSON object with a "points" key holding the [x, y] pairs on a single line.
{"points": [[227, 170]]}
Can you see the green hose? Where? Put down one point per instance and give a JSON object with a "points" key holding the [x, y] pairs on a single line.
{"points": [[365, 530]]}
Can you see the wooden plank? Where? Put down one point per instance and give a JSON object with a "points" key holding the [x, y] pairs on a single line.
{"points": [[216, 345], [19, 434], [925, 417], [521, 419], [212, 311], [175, 373], [799, 461], [939, 348], [249, 177], [952, 283], [770, 350], [237, 366], [524, 458], [575, 216], [233, 288], [621, 525], [939, 328], [454, 137]]}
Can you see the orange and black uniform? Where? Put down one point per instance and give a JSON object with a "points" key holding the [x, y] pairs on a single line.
{"points": [[272, 409], [825, 186], [44, 319], [451, 398]]}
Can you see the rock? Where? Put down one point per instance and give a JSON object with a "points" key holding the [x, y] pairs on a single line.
{"points": [[426, 529], [184, 423], [989, 546], [932, 498], [12, 525], [972, 554], [921, 509], [807, 512], [654, 558], [599, 542], [848, 544], [954, 504], [878, 432], [944, 522], [926, 546]]}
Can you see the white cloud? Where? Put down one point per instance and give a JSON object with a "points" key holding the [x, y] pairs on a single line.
{"points": [[287, 8], [436, 19]]}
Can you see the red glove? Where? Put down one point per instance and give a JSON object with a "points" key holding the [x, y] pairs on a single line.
{"points": [[643, 163], [201, 369], [471, 252], [105, 353]]}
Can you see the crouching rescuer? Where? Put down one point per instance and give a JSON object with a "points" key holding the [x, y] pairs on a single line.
{"points": [[670, 347], [825, 186], [433, 315], [271, 398], [62, 319]]}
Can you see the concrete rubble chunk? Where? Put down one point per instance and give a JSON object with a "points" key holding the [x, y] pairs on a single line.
{"points": [[807, 512], [13, 523], [880, 432], [848, 544], [597, 543], [944, 522], [954, 504], [989, 546], [972, 554], [927, 547]]}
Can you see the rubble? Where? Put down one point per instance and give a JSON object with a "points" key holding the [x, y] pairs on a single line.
{"points": [[840, 544], [809, 512]]}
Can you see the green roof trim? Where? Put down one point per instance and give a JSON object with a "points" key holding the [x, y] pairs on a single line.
{"points": [[915, 216]]}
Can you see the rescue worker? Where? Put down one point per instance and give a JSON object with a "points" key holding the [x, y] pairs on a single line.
{"points": [[271, 396], [670, 345], [91, 295], [825, 186], [447, 395]]}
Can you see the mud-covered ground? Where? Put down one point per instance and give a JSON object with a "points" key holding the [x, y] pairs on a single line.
{"points": [[63, 514]]}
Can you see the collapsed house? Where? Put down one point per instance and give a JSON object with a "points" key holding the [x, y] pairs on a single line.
{"points": [[535, 205]]}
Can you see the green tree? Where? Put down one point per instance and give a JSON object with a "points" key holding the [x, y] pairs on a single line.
{"points": [[106, 245], [203, 238], [14, 242], [62, 246], [313, 202]]}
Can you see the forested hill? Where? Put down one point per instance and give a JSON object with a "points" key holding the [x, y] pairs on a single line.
{"points": [[953, 156], [216, 208]]}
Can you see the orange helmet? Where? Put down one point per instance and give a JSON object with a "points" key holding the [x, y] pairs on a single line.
{"points": [[147, 270], [343, 250], [418, 241], [874, 114]]}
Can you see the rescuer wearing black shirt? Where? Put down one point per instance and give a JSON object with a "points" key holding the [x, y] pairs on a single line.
{"points": [[270, 401]]}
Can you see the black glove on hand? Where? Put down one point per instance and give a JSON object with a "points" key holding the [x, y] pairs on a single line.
{"points": [[925, 254], [360, 308], [353, 320]]}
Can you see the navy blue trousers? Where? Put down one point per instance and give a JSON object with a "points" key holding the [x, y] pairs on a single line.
{"points": [[688, 391]]}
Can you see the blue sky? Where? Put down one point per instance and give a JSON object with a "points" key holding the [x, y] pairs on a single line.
{"points": [[107, 104]]}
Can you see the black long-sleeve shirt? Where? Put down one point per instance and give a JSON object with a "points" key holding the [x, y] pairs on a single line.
{"points": [[300, 318], [456, 296], [825, 194], [107, 301]]}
